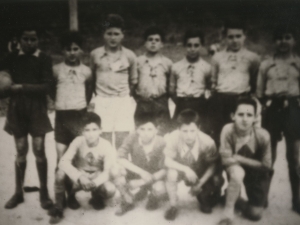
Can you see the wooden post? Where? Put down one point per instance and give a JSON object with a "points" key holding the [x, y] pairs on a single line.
{"points": [[73, 15]]}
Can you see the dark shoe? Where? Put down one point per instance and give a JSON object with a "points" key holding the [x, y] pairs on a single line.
{"points": [[15, 200], [97, 203], [124, 207], [171, 213], [241, 205], [56, 215], [226, 221], [46, 202], [72, 202], [152, 203], [141, 194], [205, 209]]}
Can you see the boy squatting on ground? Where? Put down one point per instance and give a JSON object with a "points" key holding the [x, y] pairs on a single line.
{"points": [[192, 156], [246, 155], [190, 78], [234, 72], [146, 168], [114, 68], [72, 92], [278, 90], [151, 93], [31, 73], [89, 160]]}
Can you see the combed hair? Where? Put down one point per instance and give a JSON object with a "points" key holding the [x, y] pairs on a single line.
{"points": [[234, 24], [146, 118], [187, 116], [114, 20], [245, 101], [193, 33], [91, 117], [284, 29], [71, 37], [154, 30]]}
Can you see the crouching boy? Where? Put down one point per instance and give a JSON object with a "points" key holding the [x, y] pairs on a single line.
{"points": [[88, 162], [192, 156], [246, 155], [145, 170]]}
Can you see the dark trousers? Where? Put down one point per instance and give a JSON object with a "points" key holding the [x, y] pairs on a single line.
{"points": [[278, 119], [159, 108], [197, 104]]}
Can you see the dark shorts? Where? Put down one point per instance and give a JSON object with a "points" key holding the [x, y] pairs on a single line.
{"points": [[277, 119], [257, 186], [159, 108], [27, 115], [68, 125], [197, 104]]}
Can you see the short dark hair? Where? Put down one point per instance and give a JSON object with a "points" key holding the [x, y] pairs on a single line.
{"points": [[114, 20], [234, 24], [246, 101], [91, 117], [284, 29], [146, 118], [154, 30], [28, 28], [193, 33], [187, 116], [71, 37]]}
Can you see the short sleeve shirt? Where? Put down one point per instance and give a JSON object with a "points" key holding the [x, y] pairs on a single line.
{"points": [[114, 78]]}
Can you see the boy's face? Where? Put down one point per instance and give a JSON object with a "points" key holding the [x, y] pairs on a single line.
{"points": [[193, 46], [188, 132], [285, 43], [244, 117], [113, 37], [147, 132], [29, 41], [91, 132], [153, 43], [72, 53], [235, 39]]}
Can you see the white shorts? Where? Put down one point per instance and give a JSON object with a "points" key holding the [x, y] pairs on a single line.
{"points": [[117, 113]]}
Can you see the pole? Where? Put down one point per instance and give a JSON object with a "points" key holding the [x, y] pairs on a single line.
{"points": [[73, 15]]}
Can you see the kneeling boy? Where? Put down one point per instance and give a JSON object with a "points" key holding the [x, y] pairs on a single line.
{"points": [[192, 156], [246, 155], [145, 169], [88, 162]]}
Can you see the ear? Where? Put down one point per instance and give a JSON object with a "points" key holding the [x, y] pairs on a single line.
{"points": [[232, 116]]}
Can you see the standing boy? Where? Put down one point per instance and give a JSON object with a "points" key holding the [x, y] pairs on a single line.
{"points": [[278, 90], [72, 93], [190, 78], [192, 156], [246, 155], [151, 92], [88, 163], [234, 73], [145, 170], [31, 72], [115, 71]]}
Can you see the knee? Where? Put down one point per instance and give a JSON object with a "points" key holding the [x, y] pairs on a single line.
{"points": [[117, 171], [254, 213], [158, 189], [236, 174], [59, 176], [172, 175], [109, 190]]}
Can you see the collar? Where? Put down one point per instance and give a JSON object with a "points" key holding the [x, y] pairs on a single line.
{"points": [[188, 64], [149, 146], [103, 52], [242, 50], [194, 150], [36, 53], [249, 142]]}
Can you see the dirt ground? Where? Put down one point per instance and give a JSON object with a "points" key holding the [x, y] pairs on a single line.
{"points": [[278, 213]]}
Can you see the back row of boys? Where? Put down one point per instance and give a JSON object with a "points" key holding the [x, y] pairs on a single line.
{"points": [[205, 95]]}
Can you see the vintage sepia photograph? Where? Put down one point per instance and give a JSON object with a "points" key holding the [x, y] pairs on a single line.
{"points": [[118, 112]]}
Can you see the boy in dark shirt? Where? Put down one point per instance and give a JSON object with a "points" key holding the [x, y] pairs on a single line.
{"points": [[145, 170], [246, 155], [31, 72]]}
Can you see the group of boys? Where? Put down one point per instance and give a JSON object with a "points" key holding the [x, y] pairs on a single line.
{"points": [[200, 140]]}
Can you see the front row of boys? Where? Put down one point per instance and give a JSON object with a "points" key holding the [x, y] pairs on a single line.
{"points": [[157, 166]]}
